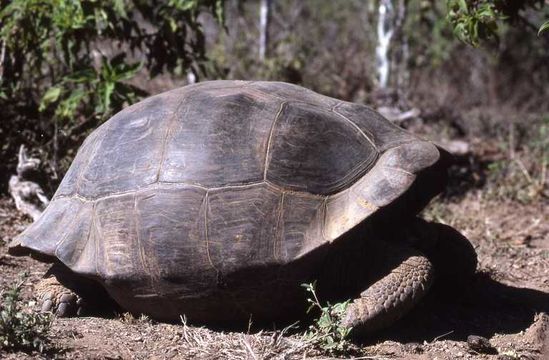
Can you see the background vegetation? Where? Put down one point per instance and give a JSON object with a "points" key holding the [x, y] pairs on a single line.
{"points": [[476, 70], [68, 65]]}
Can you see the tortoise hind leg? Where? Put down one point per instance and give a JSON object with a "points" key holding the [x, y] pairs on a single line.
{"points": [[453, 256], [391, 297], [67, 294], [443, 250]]}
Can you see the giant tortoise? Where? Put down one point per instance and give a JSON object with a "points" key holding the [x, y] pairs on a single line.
{"points": [[216, 201]]}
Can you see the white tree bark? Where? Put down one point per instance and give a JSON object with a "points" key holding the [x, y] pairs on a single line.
{"points": [[2, 57], [385, 30], [401, 54], [191, 77], [392, 44], [264, 19]]}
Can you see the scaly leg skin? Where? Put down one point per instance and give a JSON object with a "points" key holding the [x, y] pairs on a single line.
{"points": [[388, 299], [453, 256], [57, 299], [65, 294]]}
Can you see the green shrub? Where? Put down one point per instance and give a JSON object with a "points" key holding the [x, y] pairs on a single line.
{"points": [[20, 327], [68, 65], [478, 20]]}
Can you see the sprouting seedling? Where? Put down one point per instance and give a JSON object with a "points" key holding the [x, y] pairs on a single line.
{"points": [[327, 330]]}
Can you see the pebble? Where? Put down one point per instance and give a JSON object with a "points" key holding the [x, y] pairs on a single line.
{"points": [[505, 357], [480, 344]]}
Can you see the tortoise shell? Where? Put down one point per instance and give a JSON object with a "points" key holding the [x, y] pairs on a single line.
{"points": [[171, 199]]}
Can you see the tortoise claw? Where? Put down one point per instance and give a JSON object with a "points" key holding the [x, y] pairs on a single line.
{"points": [[66, 306], [57, 299], [47, 306]]}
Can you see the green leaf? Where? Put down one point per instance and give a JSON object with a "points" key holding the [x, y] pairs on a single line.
{"points": [[67, 108], [49, 97], [82, 76], [126, 71], [107, 92], [462, 5], [220, 11], [119, 7]]}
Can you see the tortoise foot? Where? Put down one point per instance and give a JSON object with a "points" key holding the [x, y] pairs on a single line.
{"points": [[57, 299]]}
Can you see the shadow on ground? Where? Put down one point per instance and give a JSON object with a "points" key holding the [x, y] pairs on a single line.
{"points": [[467, 172], [489, 307]]}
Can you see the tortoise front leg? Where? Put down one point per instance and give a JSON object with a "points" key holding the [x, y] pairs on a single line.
{"points": [[66, 294], [391, 297], [57, 299]]}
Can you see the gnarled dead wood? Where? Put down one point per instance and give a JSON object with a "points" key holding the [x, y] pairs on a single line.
{"points": [[29, 196]]}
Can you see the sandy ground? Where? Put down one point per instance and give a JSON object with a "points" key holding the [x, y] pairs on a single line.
{"points": [[507, 303]]}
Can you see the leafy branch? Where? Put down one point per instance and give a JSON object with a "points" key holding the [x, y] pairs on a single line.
{"points": [[475, 21]]}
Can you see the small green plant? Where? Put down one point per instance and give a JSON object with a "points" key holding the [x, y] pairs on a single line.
{"points": [[20, 327], [327, 330]]}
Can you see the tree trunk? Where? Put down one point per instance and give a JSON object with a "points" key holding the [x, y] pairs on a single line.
{"points": [[385, 30], [264, 19]]}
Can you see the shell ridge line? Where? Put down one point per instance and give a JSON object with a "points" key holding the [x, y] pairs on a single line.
{"points": [[89, 234], [270, 139], [184, 184], [206, 205], [368, 136], [324, 219], [98, 142], [273, 95], [237, 186], [248, 83], [297, 101], [293, 191], [106, 265], [140, 249], [169, 130], [61, 242], [355, 173], [397, 169], [96, 243], [278, 231]]}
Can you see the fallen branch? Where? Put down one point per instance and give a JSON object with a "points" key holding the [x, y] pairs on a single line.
{"points": [[397, 116], [28, 195]]}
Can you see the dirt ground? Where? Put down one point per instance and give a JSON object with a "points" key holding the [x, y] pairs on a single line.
{"points": [[507, 303]]}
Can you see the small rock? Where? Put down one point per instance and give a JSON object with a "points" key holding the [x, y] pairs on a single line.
{"points": [[480, 344], [414, 348], [505, 357]]}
